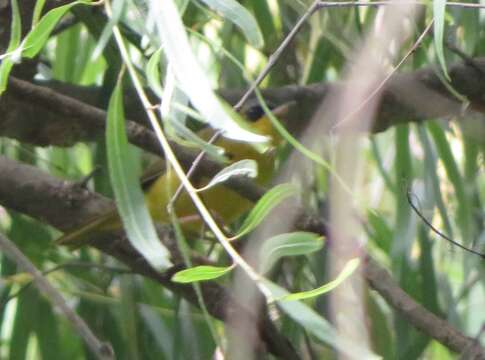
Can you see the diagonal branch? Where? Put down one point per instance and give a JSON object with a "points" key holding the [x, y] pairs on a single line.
{"points": [[417, 315], [62, 204], [99, 349], [40, 116], [84, 121]]}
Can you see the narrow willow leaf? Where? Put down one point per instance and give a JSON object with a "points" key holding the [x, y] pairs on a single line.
{"points": [[174, 110], [39, 6], [318, 326], [263, 207], [439, 11], [380, 231], [290, 244], [201, 273], [245, 167], [403, 229], [21, 278], [161, 333], [191, 139], [37, 37], [129, 197], [434, 180], [118, 7], [191, 77], [348, 270], [129, 316], [152, 72], [298, 145], [453, 173], [265, 17], [232, 11], [15, 35]]}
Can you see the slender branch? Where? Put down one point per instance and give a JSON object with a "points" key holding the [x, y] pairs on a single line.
{"points": [[52, 118], [63, 204], [417, 315], [74, 264], [175, 163], [276, 55], [340, 4], [436, 231], [381, 85], [14, 187], [92, 120], [100, 349]]}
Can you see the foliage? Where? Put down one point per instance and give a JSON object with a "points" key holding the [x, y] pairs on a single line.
{"points": [[181, 56]]}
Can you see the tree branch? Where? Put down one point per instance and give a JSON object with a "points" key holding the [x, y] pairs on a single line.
{"points": [[100, 350], [68, 120], [417, 315], [62, 204], [31, 191]]}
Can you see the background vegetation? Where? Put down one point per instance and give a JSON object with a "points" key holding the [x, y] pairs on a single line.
{"points": [[422, 150]]}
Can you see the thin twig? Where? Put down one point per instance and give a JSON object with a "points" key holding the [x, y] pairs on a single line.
{"points": [[271, 62], [101, 350], [416, 314], [338, 4], [74, 264], [435, 230], [468, 60], [174, 162], [386, 79], [194, 166], [276, 55]]}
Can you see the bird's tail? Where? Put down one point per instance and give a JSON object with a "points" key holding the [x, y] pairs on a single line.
{"points": [[87, 233]]}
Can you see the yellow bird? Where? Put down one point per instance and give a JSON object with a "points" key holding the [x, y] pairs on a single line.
{"points": [[225, 204]]}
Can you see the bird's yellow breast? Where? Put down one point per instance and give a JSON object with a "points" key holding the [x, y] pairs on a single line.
{"points": [[225, 204]]}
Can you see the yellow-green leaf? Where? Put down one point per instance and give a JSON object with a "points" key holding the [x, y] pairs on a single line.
{"points": [[200, 273], [348, 270]]}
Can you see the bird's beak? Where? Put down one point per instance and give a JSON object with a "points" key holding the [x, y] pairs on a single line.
{"points": [[282, 111]]}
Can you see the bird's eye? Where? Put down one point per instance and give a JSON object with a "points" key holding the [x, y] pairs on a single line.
{"points": [[255, 112]]}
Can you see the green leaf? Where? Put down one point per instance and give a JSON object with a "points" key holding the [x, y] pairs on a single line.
{"points": [[290, 244], [439, 11], [37, 37], [39, 6], [263, 207], [262, 12], [191, 78], [177, 129], [15, 34], [317, 326], [129, 196], [348, 270], [200, 273], [232, 11], [446, 154], [129, 316], [152, 72], [174, 110], [403, 229], [298, 145], [380, 231], [245, 167], [118, 8], [430, 164]]}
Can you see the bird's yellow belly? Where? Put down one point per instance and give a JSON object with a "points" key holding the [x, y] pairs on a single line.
{"points": [[224, 204]]}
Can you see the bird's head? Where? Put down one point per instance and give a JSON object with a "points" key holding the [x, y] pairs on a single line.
{"points": [[260, 121]]}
